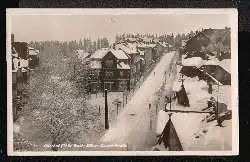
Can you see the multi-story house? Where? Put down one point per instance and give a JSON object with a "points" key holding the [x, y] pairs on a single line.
{"points": [[135, 60], [109, 69]]}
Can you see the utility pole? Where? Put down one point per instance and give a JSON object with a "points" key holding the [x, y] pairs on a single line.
{"points": [[106, 110]]}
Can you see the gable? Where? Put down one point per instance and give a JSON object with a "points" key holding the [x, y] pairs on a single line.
{"points": [[109, 56]]}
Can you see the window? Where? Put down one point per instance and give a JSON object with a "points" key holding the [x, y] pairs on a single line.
{"points": [[123, 86], [121, 74], [109, 74], [109, 63]]}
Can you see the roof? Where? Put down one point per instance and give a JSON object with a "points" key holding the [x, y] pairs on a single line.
{"points": [[156, 40], [147, 39], [141, 52], [193, 61], [119, 54], [143, 45], [129, 49], [31, 48], [164, 44], [151, 45], [99, 54], [225, 64], [211, 62], [95, 64], [122, 65], [81, 54], [218, 74], [168, 134], [131, 39], [33, 52]]}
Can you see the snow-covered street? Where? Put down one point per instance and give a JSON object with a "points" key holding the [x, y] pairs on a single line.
{"points": [[133, 123]]}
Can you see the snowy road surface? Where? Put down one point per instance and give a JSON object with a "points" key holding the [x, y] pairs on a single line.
{"points": [[132, 126]]}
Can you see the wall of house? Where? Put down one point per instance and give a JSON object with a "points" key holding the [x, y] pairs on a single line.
{"points": [[109, 77], [22, 49], [148, 57]]}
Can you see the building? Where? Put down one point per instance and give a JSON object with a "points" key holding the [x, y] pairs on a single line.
{"points": [[147, 55], [33, 57], [109, 69], [209, 42], [135, 60]]}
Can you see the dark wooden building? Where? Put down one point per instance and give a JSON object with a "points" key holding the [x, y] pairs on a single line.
{"points": [[109, 69]]}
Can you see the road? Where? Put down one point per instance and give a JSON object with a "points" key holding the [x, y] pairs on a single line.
{"points": [[133, 126]]}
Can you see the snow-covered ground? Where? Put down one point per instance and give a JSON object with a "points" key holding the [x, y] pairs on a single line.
{"points": [[133, 123], [194, 133]]}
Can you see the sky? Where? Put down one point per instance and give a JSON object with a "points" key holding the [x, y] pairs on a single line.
{"points": [[74, 27]]}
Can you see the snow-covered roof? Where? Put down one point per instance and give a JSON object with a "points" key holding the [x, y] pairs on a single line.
{"points": [[130, 48], [147, 39], [164, 44], [211, 62], [141, 52], [119, 54], [131, 39], [95, 64], [33, 52], [151, 45], [122, 65], [193, 61], [143, 45], [156, 40], [225, 64], [31, 48], [81, 54], [99, 54]]}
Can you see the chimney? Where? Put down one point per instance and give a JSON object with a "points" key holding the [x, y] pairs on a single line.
{"points": [[12, 38]]}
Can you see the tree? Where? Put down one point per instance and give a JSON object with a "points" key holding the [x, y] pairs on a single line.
{"points": [[56, 106]]}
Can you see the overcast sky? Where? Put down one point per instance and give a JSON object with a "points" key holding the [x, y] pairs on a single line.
{"points": [[66, 27]]}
